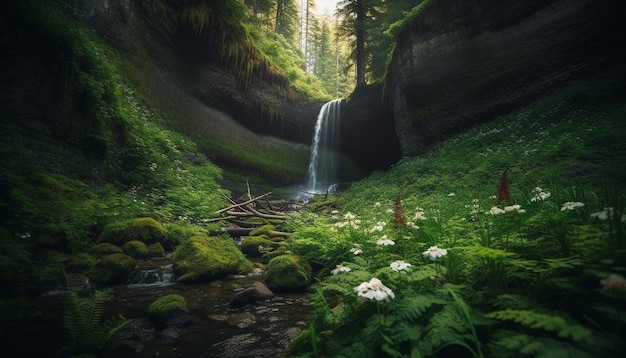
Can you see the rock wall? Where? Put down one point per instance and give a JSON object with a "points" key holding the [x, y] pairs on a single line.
{"points": [[464, 62]]}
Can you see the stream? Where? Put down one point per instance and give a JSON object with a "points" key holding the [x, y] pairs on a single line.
{"points": [[260, 329]]}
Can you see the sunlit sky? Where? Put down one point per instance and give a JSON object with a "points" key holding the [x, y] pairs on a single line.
{"points": [[325, 6]]}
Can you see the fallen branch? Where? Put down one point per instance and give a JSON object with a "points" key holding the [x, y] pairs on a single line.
{"points": [[242, 204]]}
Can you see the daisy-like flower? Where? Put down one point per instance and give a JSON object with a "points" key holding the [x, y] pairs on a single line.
{"points": [[540, 194], [435, 253], [340, 268], [399, 265], [514, 209], [379, 226], [571, 205], [496, 211], [356, 249], [606, 214], [419, 216], [374, 290], [614, 283], [384, 241]]}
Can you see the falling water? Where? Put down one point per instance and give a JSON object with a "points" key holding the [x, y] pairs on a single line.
{"points": [[323, 166]]}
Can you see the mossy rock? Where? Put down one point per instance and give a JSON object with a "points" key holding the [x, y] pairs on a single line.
{"points": [[104, 249], [288, 273], [156, 250], [135, 249], [299, 345], [169, 310], [205, 258], [146, 230], [250, 245], [82, 261], [112, 269], [263, 230]]}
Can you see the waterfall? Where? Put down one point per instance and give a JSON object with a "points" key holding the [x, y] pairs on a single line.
{"points": [[323, 166]]}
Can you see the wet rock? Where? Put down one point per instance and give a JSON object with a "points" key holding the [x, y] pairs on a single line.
{"points": [[257, 292], [170, 334], [138, 329], [127, 345], [242, 320]]}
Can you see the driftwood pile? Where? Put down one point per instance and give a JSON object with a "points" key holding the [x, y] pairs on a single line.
{"points": [[247, 213]]}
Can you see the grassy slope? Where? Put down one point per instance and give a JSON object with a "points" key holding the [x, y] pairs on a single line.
{"points": [[537, 274]]}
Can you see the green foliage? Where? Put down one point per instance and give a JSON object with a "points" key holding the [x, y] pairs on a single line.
{"points": [[204, 258], [136, 249], [82, 321], [146, 230], [105, 248], [550, 323]]}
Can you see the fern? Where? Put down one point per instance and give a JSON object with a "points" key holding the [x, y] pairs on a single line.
{"points": [[551, 323], [413, 307], [82, 321], [513, 344]]}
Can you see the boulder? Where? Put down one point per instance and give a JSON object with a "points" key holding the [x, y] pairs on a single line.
{"points": [[288, 273], [168, 311], [112, 269], [146, 230], [205, 258], [257, 292]]}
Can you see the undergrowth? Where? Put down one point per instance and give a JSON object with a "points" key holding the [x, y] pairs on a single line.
{"points": [[512, 242]]}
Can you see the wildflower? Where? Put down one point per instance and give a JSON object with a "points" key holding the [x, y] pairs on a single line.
{"points": [[419, 216], [399, 265], [413, 226], [571, 205], [377, 204], [451, 194], [514, 209], [540, 194], [374, 290], [435, 253], [341, 224], [340, 268], [349, 216], [398, 213], [496, 211], [606, 214], [614, 282], [356, 249], [379, 226], [384, 241], [334, 212], [503, 196]]}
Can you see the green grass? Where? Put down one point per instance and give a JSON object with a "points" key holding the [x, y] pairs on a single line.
{"points": [[515, 284]]}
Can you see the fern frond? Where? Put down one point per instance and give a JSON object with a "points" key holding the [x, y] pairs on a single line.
{"points": [[508, 300], [413, 307], [551, 323]]}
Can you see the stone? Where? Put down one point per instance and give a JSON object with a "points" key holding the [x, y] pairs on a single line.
{"points": [[256, 292]]}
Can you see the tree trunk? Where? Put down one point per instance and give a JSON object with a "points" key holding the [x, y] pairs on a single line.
{"points": [[360, 44]]}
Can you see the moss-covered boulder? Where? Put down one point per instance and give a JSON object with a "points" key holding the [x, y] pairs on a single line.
{"points": [[288, 273], [170, 310], [112, 269], [251, 245], [135, 249], [263, 230], [156, 250], [80, 262], [204, 258], [146, 230], [104, 248]]}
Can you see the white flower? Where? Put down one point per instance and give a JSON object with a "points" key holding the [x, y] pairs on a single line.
{"points": [[435, 253], [399, 265], [340, 268], [496, 211], [606, 214], [379, 226], [419, 216], [356, 249], [571, 205], [384, 241], [374, 290], [451, 194], [377, 204], [514, 208], [335, 212], [540, 195], [349, 216], [341, 224]]}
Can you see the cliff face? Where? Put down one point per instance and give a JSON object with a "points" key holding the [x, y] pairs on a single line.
{"points": [[188, 63], [465, 62]]}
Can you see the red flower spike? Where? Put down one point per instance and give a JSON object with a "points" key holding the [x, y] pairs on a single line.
{"points": [[503, 196], [398, 214]]}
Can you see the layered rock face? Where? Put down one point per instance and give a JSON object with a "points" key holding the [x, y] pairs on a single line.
{"points": [[465, 62]]}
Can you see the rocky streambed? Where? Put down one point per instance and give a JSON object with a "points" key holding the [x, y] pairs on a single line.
{"points": [[213, 328]]}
